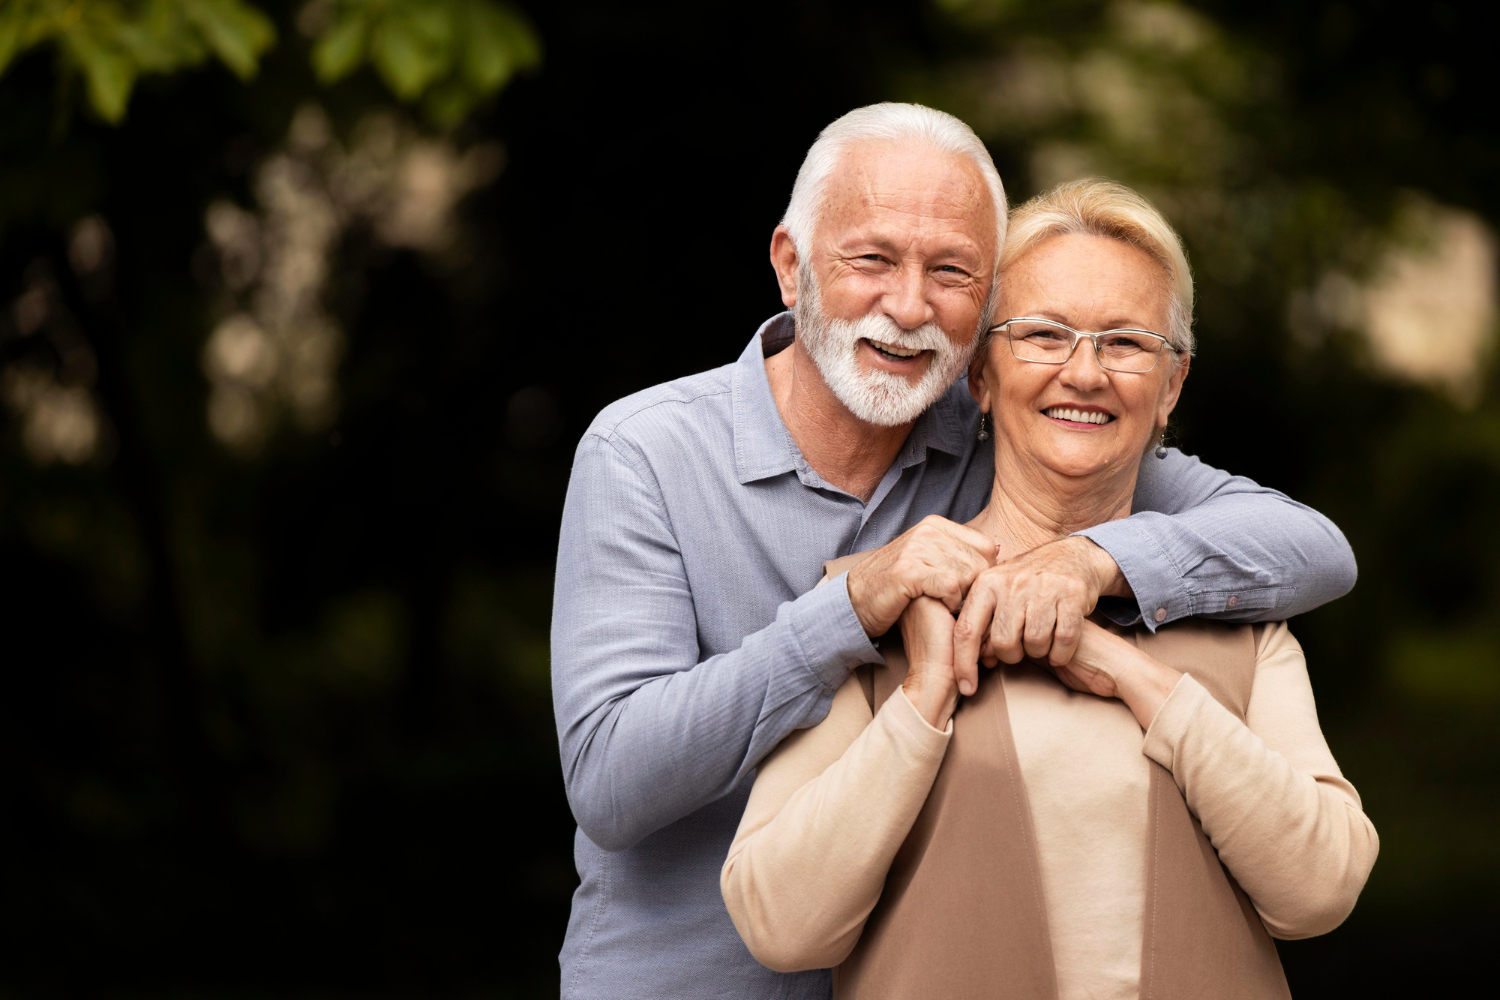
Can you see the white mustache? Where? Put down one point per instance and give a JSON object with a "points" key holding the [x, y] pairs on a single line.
{"points": [[880, 327]]}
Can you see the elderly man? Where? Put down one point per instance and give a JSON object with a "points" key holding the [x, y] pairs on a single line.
{"points": [[688, 634]]}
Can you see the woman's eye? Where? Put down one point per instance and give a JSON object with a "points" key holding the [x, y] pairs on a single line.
{"points": [[1122, 345]]}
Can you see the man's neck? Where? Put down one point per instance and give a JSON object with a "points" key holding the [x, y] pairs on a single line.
{"points": [[847, 452]]}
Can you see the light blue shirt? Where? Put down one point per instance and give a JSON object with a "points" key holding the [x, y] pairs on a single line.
{"points": [[689, 637]]}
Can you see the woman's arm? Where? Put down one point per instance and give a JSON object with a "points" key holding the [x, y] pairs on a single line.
{"points": [[830, 808], [1270, 797], [1269, 794]]}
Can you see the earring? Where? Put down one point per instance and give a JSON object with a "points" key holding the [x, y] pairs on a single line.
{"points": [[1161, 445], [984, 426]]}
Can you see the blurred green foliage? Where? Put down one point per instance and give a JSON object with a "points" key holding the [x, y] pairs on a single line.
{"points": [[456, 52], [451, 54], [275, 717], [111, 43]]}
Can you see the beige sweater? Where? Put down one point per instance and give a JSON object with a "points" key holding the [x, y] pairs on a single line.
{"points": [[832, 805]]}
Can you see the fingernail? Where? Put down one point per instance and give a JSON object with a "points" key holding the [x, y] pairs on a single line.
{"points": [[965, 688]]}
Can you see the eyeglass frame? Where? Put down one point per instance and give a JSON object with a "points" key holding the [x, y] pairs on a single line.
{"points": [[1079, 335]]}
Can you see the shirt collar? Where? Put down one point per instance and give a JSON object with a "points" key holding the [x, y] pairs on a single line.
{"points": [[763, 447]]}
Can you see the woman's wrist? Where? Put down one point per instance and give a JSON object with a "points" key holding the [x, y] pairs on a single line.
{"points": [[934, 699], [1144, 684]]}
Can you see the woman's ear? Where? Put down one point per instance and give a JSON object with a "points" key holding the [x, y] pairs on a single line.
{"points": [[981, 379], [1173, 389]]}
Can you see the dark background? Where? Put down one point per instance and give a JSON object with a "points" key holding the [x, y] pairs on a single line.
{"points": [[275, 715]]}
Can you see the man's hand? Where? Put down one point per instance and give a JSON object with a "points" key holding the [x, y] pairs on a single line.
{"points": [[937, 558], [1034, 605]]}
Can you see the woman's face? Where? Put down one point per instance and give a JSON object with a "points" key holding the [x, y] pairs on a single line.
{"points": [[1091, 283]]}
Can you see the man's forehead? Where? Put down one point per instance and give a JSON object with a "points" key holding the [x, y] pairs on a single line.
{"points": [[886, 180]]}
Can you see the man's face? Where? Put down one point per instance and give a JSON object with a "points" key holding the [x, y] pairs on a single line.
{"points": [[889, 299]]}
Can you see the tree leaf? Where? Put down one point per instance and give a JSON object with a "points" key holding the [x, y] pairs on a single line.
{"points": [[429, 20], [488, 60], [525, 44], [343, 47], [498, 43], [449, 103], [160, 40], [12, 16], [236, 32], [108, 73], [409, 54]]}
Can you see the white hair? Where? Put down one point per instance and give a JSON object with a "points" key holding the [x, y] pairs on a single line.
{"points": [[902, 124]]}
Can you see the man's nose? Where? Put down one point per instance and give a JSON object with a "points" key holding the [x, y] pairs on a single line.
{"points": [[905, 299], [1082, 370]]}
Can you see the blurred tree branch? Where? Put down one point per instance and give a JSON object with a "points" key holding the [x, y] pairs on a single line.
{"points": [[448, 54]]}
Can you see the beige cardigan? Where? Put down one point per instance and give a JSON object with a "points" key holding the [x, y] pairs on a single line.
{"points": [[833, 805]]}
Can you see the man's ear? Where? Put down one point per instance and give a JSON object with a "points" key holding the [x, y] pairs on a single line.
{"points": [[784, 261]]}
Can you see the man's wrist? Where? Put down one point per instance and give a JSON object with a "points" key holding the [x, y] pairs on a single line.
{"points": [[859, 601], [1109, 579]]}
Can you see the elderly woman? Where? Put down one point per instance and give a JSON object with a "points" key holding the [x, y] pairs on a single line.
{"points": [[1138, 822]]}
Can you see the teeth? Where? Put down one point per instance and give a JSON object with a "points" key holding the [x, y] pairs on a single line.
{"points": [[897, 351], [1078, 416]]}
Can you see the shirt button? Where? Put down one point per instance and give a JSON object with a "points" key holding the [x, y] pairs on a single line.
{"points": [[1232, 601], [1161, 614]]}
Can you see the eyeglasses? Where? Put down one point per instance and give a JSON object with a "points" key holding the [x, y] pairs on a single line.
{"points": [[1045, 342]]}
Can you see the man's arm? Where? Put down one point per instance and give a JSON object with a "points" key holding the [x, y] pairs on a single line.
{"points": [[647, 732], [1202, 542], [1210, 544]]}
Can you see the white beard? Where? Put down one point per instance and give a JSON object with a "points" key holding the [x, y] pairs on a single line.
{"points": [[877, 397]]}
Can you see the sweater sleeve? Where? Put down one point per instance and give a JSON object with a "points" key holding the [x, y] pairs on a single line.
{"points": [[1271, 799], [830, 809]]}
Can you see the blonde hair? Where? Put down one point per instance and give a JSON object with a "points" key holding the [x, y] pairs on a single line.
{"points": [[1095, 207]]}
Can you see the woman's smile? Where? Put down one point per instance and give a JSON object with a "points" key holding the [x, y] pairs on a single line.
{"points": [[1081, 416]]}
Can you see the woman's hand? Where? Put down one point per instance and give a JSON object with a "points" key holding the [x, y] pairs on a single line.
{"points": [[1034, 604], [932, 684], [1112, 667]]}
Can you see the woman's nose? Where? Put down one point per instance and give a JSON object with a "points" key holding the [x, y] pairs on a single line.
{"points": [[1082, 370]]}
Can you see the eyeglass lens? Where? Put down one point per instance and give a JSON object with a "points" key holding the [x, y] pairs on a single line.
{"points": [[1049, 344]]}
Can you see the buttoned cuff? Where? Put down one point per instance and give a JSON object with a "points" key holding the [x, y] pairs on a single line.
{"points": [[1161, 593], [832, 640], [1168, 729]]}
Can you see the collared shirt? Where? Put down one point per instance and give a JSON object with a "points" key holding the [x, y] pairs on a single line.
{"points": [[689, 638]]}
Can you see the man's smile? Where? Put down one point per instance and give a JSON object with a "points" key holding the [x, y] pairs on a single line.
{"points": [[891, 350]]}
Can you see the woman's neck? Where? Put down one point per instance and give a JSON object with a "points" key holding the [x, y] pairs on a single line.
{"points": [[1031, 505]]}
